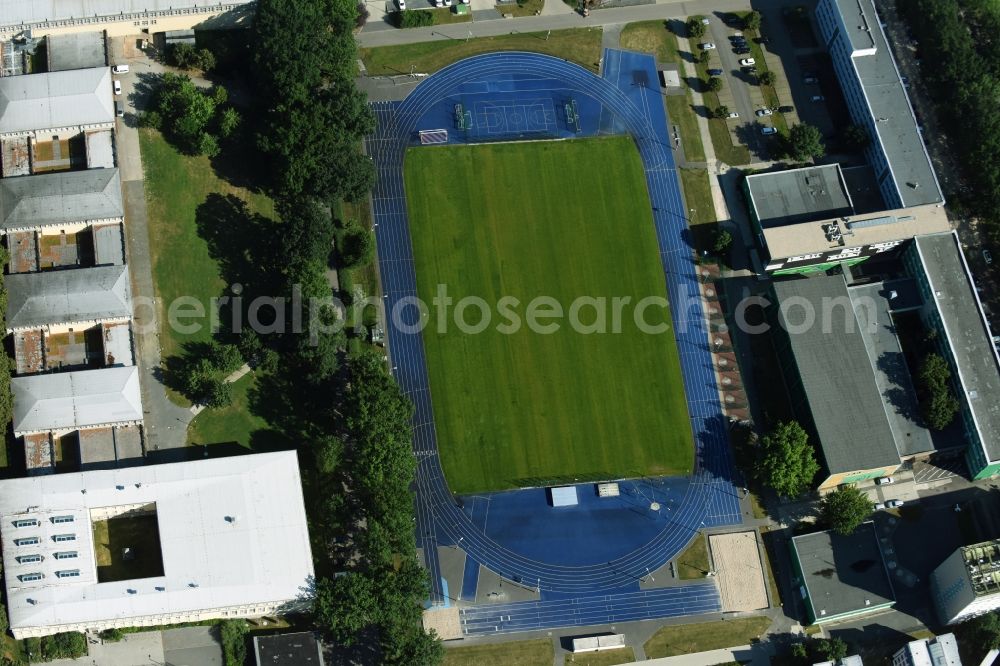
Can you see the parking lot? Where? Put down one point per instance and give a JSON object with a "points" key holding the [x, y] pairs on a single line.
{"points": [[805, 84]]}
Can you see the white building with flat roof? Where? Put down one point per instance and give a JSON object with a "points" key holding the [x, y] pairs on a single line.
{"points": [[154, 545], [937, 651]]}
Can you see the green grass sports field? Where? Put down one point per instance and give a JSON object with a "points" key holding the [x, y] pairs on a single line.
{"points": [[563, 219]]}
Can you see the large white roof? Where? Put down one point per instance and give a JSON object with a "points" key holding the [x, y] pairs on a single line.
{"points": [[56, 99], [73, 400], [232, 532]]}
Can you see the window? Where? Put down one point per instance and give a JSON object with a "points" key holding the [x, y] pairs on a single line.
{"points": [[25, 559], [27, 541], [64, 537], [68, 573], [66, 555], [25, 578], [62, 519], [26, 522]]}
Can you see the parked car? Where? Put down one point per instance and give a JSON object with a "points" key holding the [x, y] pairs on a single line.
{"points": [[749, 70], [878, 506], [736, 35], [119, 109], [746, 62], [715, 72], [402, 5], [741, 51], [818, 98], [120, 69], [987, 257], [786, 109], [733, 114], [763, 112], [705, 21], [767, 131], [810, 79], [707, 46], [118, 87], [895, 504], [885, 480], [763, 40]]}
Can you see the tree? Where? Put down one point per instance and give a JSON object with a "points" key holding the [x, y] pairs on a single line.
{"points": [[225, 358], [229, 120], [786, 461], [714, 84], [704, 57], [204, 60], [856, 137], [234, 641], [65, 645], [767, 78], [328, 450], [938, 404], [346, 605], [218, 393], [828, 649], [182, 55], [844, 509], [185, 113], [355, 247], [752, 20], [721, 111], [695, 28], [805, 142], [982, 631], [723, 241]]}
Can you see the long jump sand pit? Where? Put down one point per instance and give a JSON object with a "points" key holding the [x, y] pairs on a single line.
{"points": [[736, 560]]}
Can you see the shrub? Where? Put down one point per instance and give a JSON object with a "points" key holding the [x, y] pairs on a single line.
{"points": [[65, 645], [218, 393], [234, 642], [112, 635], [410, 18]]}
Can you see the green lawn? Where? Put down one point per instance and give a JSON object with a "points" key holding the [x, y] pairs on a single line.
{"points": [[235, 423], [579, 45], [519, 653], [693, 562], [691, 638], [529, 408], [609, 658], [176, 185], [139, 536], [698, 195]]}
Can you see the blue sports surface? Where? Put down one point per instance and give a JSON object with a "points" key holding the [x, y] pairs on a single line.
{"points": [[585, 561]]}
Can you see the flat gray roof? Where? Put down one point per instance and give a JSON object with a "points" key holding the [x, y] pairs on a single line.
{"points": [[799, 195], [30, 202], [55, 99], [36, 300], [872, 308], [15, 12], [837, 377], [889, 106], [968, 333], [73, 400], [843, 573], [75, 50], [109, 247]]}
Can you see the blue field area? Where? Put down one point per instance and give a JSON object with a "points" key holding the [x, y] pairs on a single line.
{"points": [[598, 529], [585, 561]]}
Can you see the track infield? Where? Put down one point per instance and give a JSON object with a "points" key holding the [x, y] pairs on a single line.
{"points": [[564, 219]]}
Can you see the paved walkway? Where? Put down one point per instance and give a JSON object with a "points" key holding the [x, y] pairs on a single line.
{"points": [[165, 422], [556, 8]]}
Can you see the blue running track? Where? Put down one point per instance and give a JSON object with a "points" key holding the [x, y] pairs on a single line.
{"points": [[513, 96]]}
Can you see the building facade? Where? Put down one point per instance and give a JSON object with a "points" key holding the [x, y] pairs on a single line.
{"points": [[967, 584]]}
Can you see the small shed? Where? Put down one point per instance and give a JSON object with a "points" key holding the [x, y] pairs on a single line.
{"points": [[564, 496]]}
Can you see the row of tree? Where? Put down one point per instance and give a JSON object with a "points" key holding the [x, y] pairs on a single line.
{"points": [[957, 36]]}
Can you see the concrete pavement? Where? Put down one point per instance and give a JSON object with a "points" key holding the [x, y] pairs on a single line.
{"points": [[559, 21]]}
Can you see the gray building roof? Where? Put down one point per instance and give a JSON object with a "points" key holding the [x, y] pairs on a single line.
{"points": [[72, 400], [889, 106], [32, 202], [799, 195], [109, 247], [843, 574], [872, 309], [967, 332], [837, 376], [56, 99], [75, 50], [16, 12], [298, 649], [61, 297]]}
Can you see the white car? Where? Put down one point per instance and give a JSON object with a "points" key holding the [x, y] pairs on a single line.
{"points": [[120, 69], [894, 504], [818, 98], [402, 5], [768, 131], [733, 114], [885, 480], [707, 46], [764, 112], [878, 506], [705, 21], [747, 62], [118, 87], [987, 257]]}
